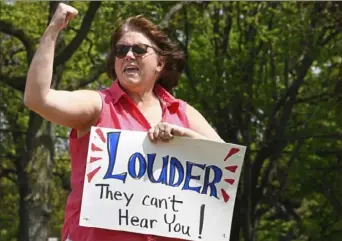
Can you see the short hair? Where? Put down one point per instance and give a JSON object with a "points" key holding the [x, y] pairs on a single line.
{"points": [[173, 57]]}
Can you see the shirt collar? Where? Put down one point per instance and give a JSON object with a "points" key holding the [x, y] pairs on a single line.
{"points": [[168, 100], [116, 91]]}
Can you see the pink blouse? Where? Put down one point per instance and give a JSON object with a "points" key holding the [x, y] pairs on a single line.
{"points": [[120, 112]]}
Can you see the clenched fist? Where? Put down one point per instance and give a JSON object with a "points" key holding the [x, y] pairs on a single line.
{"points": [[64, 13]]}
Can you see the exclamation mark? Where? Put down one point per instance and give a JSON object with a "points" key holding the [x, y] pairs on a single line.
{"points": [[201, 220]]}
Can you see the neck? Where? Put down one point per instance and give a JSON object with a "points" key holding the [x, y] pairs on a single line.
{"points": [[143, 97]]}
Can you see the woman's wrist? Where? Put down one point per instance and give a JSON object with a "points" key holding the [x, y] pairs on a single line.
{"points": [[51, 33], [192, 134]]}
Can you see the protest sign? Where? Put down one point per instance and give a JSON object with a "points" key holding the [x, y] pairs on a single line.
{"points": [[184, 189]]}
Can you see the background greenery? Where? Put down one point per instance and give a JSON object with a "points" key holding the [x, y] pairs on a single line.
{"points": [[265, 74]]}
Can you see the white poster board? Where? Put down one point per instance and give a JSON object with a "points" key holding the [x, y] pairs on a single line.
{"points": [[184, 189]]}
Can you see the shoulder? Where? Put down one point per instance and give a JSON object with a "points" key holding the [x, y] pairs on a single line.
{"points": [[198, 123], [192, 113]]}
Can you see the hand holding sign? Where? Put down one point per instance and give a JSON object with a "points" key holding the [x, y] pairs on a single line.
{"points": [[183, 189], [165, 132]]}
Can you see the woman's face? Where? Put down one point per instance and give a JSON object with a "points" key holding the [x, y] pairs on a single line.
{"points": [[136, 71]]}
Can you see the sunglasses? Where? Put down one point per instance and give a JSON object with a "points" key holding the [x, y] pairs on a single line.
{"points": [[121, 50]]}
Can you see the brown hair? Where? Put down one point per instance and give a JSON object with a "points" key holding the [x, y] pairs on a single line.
{"points": [[173, 57]]}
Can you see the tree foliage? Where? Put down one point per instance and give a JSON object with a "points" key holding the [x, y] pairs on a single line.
{"points": [[265, 74]]}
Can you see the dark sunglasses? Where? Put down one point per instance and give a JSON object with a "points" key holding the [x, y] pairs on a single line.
{"points": [[121, 50]]}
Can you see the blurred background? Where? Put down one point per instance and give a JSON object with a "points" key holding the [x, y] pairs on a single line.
{"points": [[267, 75]]}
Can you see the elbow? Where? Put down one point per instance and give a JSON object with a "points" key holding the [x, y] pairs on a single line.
{"points": [[33, 99], [221, 141], [28, 102], [32, 102], [27, 96]]}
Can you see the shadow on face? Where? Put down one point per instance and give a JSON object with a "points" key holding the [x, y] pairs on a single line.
{"points": [[137, 71]]}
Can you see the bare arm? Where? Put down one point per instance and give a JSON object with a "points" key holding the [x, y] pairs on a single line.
{"points": [[77, 109], [200, 126], [199, 129]]}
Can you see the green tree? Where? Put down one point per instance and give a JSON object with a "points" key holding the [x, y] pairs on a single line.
{"points": [[269, 84], [266, 74], [34, 149]]}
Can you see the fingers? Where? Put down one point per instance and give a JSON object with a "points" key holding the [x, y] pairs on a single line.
{"points": [[71, 12], [66, 10], [161, 132], [70, 16], [156, 133], [64, 13], [166, 133], [178, 131]]}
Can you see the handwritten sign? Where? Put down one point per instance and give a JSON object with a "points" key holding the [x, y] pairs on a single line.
{"points": [[184, 189]]}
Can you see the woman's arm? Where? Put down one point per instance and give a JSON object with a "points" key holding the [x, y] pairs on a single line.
{"points": [[199, 126], [199, 129], [77, 109]]}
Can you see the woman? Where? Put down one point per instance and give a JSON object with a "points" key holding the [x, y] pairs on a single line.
{"points": [[144, 64]]}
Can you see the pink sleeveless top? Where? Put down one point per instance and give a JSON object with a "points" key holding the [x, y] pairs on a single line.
{"points": [[120, 112]]}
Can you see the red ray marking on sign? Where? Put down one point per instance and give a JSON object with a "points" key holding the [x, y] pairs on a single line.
{"points": [[95, 148], [94, 159], [231, 168], [92, 174], [101, 135], [231, 152], [230, 181], [225, 195]]}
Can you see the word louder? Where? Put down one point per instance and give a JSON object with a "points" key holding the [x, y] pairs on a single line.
{"points": [[145, 164]]}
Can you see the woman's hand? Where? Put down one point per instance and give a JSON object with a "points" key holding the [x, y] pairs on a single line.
{"points": [[164, 131], [75, 109], [64, 13]]}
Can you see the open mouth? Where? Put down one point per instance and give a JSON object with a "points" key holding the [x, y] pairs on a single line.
{"points": [[131, 69]]}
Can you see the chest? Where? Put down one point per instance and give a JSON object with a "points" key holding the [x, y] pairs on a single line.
{"points": [[153, 114], [126, 116]]}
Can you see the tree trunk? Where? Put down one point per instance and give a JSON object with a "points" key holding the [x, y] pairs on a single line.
{"points": [[39, 201], [35, 178], [23, 208]]}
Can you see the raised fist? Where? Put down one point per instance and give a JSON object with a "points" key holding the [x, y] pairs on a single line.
{"points": [[63, 14]]}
